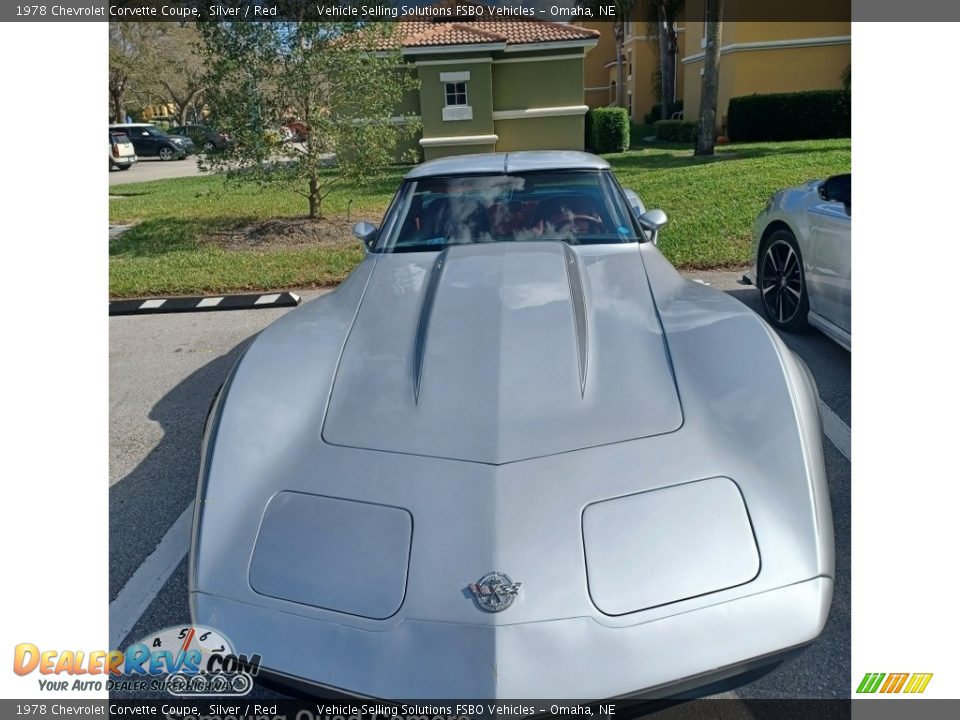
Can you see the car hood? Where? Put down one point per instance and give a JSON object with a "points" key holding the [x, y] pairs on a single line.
{"points": [[500, 352]]}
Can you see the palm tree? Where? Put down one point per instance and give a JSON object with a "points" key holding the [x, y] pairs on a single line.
{"points": [[624, 9], [662, 21], [618, 33], [706, 135]]}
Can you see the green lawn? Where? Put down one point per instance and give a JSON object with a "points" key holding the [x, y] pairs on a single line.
{"points": [[711, 204], [165, 252]]}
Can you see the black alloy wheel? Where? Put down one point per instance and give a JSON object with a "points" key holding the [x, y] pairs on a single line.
{"points": [[781, 282]]}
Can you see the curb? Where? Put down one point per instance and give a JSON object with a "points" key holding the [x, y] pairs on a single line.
{"points": [[255, 301]]}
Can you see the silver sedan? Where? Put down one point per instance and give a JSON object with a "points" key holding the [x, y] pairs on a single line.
{"points": [[801, 256]]}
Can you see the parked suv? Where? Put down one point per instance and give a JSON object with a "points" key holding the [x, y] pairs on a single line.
{"points": [[121, 152], [149, 141], [206, 137]]}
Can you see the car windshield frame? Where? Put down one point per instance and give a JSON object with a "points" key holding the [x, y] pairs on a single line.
{"points": [[609, 208]]}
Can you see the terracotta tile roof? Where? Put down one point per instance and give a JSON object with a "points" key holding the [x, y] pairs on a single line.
{"points": [[437, 30]]}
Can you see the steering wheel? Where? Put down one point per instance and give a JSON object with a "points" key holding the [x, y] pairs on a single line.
{"points": [[595, 223]]}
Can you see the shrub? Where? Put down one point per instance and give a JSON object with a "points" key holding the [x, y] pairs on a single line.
{"points": [[677, 130], [810, 115], [609, 129], [654, 115]]}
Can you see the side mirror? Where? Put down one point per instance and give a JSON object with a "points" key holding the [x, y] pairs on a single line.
{"points": [[365, 232], [636, 204], [652, 221]]}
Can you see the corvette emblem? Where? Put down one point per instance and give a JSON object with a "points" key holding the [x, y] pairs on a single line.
{"points": [[494, 592]]}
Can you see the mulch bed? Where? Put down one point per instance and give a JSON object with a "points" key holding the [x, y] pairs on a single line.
{"points": [[286, 233]]}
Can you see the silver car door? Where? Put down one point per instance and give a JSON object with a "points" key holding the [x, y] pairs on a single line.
{"points": [[829, 272]]}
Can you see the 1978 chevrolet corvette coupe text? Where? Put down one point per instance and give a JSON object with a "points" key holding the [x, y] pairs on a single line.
{"points": [[515, 454]]}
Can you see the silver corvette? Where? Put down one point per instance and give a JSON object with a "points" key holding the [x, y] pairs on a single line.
{"points": [[801, 253], [515, 454]]}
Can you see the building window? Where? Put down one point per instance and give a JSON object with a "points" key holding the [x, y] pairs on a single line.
{"points": [[455, 102], [455, 93]]}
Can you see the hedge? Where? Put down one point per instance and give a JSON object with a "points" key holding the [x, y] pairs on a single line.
{"points": [[677, 130], [608, 129], [651, 117], [810, 115]]}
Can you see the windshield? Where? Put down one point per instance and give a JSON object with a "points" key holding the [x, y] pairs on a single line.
{"points": [[578, 207]]}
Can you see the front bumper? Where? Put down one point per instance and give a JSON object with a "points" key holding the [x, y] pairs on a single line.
{"points": [[582, 658]]}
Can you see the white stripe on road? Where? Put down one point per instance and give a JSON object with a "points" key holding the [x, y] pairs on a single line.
{"points": [[209, 302], [836, 430], [266, 299], [151, 304], [150, 577]]}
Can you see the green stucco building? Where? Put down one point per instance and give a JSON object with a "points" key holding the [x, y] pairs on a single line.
{"points": [[489, 85]]}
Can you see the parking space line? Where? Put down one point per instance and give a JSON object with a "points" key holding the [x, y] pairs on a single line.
{"points": [[144, 585], [836, 430]]}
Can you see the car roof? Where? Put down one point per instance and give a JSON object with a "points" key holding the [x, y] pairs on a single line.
{"points": [[128, 125], [509, 162]]}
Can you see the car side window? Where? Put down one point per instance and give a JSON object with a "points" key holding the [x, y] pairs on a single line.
{"points": [[837, 189]]}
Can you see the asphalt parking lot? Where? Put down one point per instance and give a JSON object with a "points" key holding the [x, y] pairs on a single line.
{"points": [[164, 371], [155, 169]]}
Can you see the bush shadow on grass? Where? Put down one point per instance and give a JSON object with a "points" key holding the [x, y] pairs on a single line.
{"points": [[165, 235]]}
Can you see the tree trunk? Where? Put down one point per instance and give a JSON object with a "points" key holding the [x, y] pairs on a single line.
{"points": [[706, 137], [118, 115], [618, 35], [666, 77], [314, 198], [116, 101], [670, 69]]}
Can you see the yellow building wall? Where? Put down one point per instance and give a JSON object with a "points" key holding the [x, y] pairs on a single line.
{"points": [[642, 54], [595, 76], [745, 71], [645, 60]]}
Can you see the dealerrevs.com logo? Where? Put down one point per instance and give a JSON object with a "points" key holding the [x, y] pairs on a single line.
{"points": [[182, 660], [912, 683]]}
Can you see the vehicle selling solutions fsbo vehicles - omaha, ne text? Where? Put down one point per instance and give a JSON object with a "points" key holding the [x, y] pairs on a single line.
{"points": [[515, 454]]}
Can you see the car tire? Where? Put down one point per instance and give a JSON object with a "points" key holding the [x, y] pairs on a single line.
{"points": [[166, 153], [122, 167], [782, 283], [208, 146]]}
